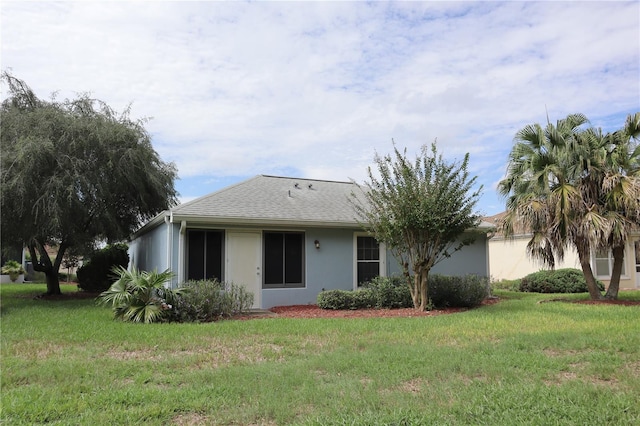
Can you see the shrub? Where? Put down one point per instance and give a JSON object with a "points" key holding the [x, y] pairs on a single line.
{"points": [[334, 299], [460, 292], [12, 268], [346, 299], [209, 300], [566, 280], [393, 292], [97, 274], [141, 296], [390, 292]]}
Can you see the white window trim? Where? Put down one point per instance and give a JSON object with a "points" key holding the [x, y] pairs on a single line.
{"points": [[623, 275], [382, 260]]}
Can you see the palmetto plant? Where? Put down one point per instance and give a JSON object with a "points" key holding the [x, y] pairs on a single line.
{"points": [[140, 296]]}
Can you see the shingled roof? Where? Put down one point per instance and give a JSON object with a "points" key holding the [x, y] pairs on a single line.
{"points": [[273, 200]]}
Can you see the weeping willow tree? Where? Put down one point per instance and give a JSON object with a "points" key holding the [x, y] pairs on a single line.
{"points": [[420, 210], [74, 172]]}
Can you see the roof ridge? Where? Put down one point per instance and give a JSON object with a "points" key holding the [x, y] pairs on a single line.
{"points": [[306, 179]]}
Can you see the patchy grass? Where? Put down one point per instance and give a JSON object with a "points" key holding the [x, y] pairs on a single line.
{"points": [[515, 362]]}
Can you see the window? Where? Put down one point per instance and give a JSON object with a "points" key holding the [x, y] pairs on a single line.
{"points": [[368, 259], [604, 263], [205, 251], [283, 259]]}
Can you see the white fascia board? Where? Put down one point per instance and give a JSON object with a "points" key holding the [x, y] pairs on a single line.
{"points": [[153, 223], [263, 222], [284, 222]]}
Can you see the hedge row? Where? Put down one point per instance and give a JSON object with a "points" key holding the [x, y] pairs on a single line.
{"points": [[393, 292]]}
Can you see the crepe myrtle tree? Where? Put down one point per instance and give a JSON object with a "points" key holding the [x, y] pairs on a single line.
{"points": [[420, 210], [74, 172]]}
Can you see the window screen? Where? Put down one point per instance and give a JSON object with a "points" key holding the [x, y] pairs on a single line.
{"points": [[368, 259], [205, 253], [283, 259]]}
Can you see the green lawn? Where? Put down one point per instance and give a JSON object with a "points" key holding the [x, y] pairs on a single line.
{"points": [[516, 362]]}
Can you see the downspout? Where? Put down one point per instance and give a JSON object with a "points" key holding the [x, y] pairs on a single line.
{"points": [[167, 221], [181, 250]]}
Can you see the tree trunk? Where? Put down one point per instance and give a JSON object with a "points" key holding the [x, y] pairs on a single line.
{"points": [[424, 291], [42, 263], [614, 284], [585, 263], [415, 290], [53, 282]]}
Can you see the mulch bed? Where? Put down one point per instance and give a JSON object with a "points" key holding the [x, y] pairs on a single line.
{"points": [[607, 302], [313, 311]]}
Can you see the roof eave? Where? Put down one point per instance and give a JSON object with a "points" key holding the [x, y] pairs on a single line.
{"points": [[157, 220], [263, 222]]}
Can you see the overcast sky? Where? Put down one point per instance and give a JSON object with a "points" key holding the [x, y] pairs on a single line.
{"points": [[314, 89]]}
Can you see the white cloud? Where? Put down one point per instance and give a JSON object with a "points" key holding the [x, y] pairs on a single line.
{"points": [[237, 89]]}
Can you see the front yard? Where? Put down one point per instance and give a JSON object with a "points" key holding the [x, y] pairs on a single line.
{"points": [[514, 362]]}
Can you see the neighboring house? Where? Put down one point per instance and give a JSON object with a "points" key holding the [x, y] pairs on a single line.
{"points": [[285, 239], [508, 257]]}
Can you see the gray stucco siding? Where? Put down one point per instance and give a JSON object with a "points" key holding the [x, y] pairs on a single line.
{"points": [[149, 251], [471, 259], [329, 267]]}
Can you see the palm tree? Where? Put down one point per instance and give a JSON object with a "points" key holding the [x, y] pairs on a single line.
{"points": [[621, 193], [140, 296], [549, 192], [575, 186]]}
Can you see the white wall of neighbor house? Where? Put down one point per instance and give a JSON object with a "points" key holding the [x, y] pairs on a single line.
{"points": [[508, 259]]}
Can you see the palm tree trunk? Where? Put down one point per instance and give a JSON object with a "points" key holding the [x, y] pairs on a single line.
{"points": [[614, 284], [585, 263]]}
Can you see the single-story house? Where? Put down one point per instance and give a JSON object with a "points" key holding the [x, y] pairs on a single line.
{"points": [[508, 257], [285, 239]]}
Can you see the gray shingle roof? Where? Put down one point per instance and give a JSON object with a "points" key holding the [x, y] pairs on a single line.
{"points": [[273, 199]]}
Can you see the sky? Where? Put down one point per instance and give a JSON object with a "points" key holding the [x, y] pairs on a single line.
{"points": [[316, 89]]}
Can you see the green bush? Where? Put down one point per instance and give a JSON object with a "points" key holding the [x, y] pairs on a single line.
{"points": [[209, 300], [12, 268], [96, 275], [390, 292], [334, 299], [345, 299], [393, 292], [459, 292], [567, 280]]}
